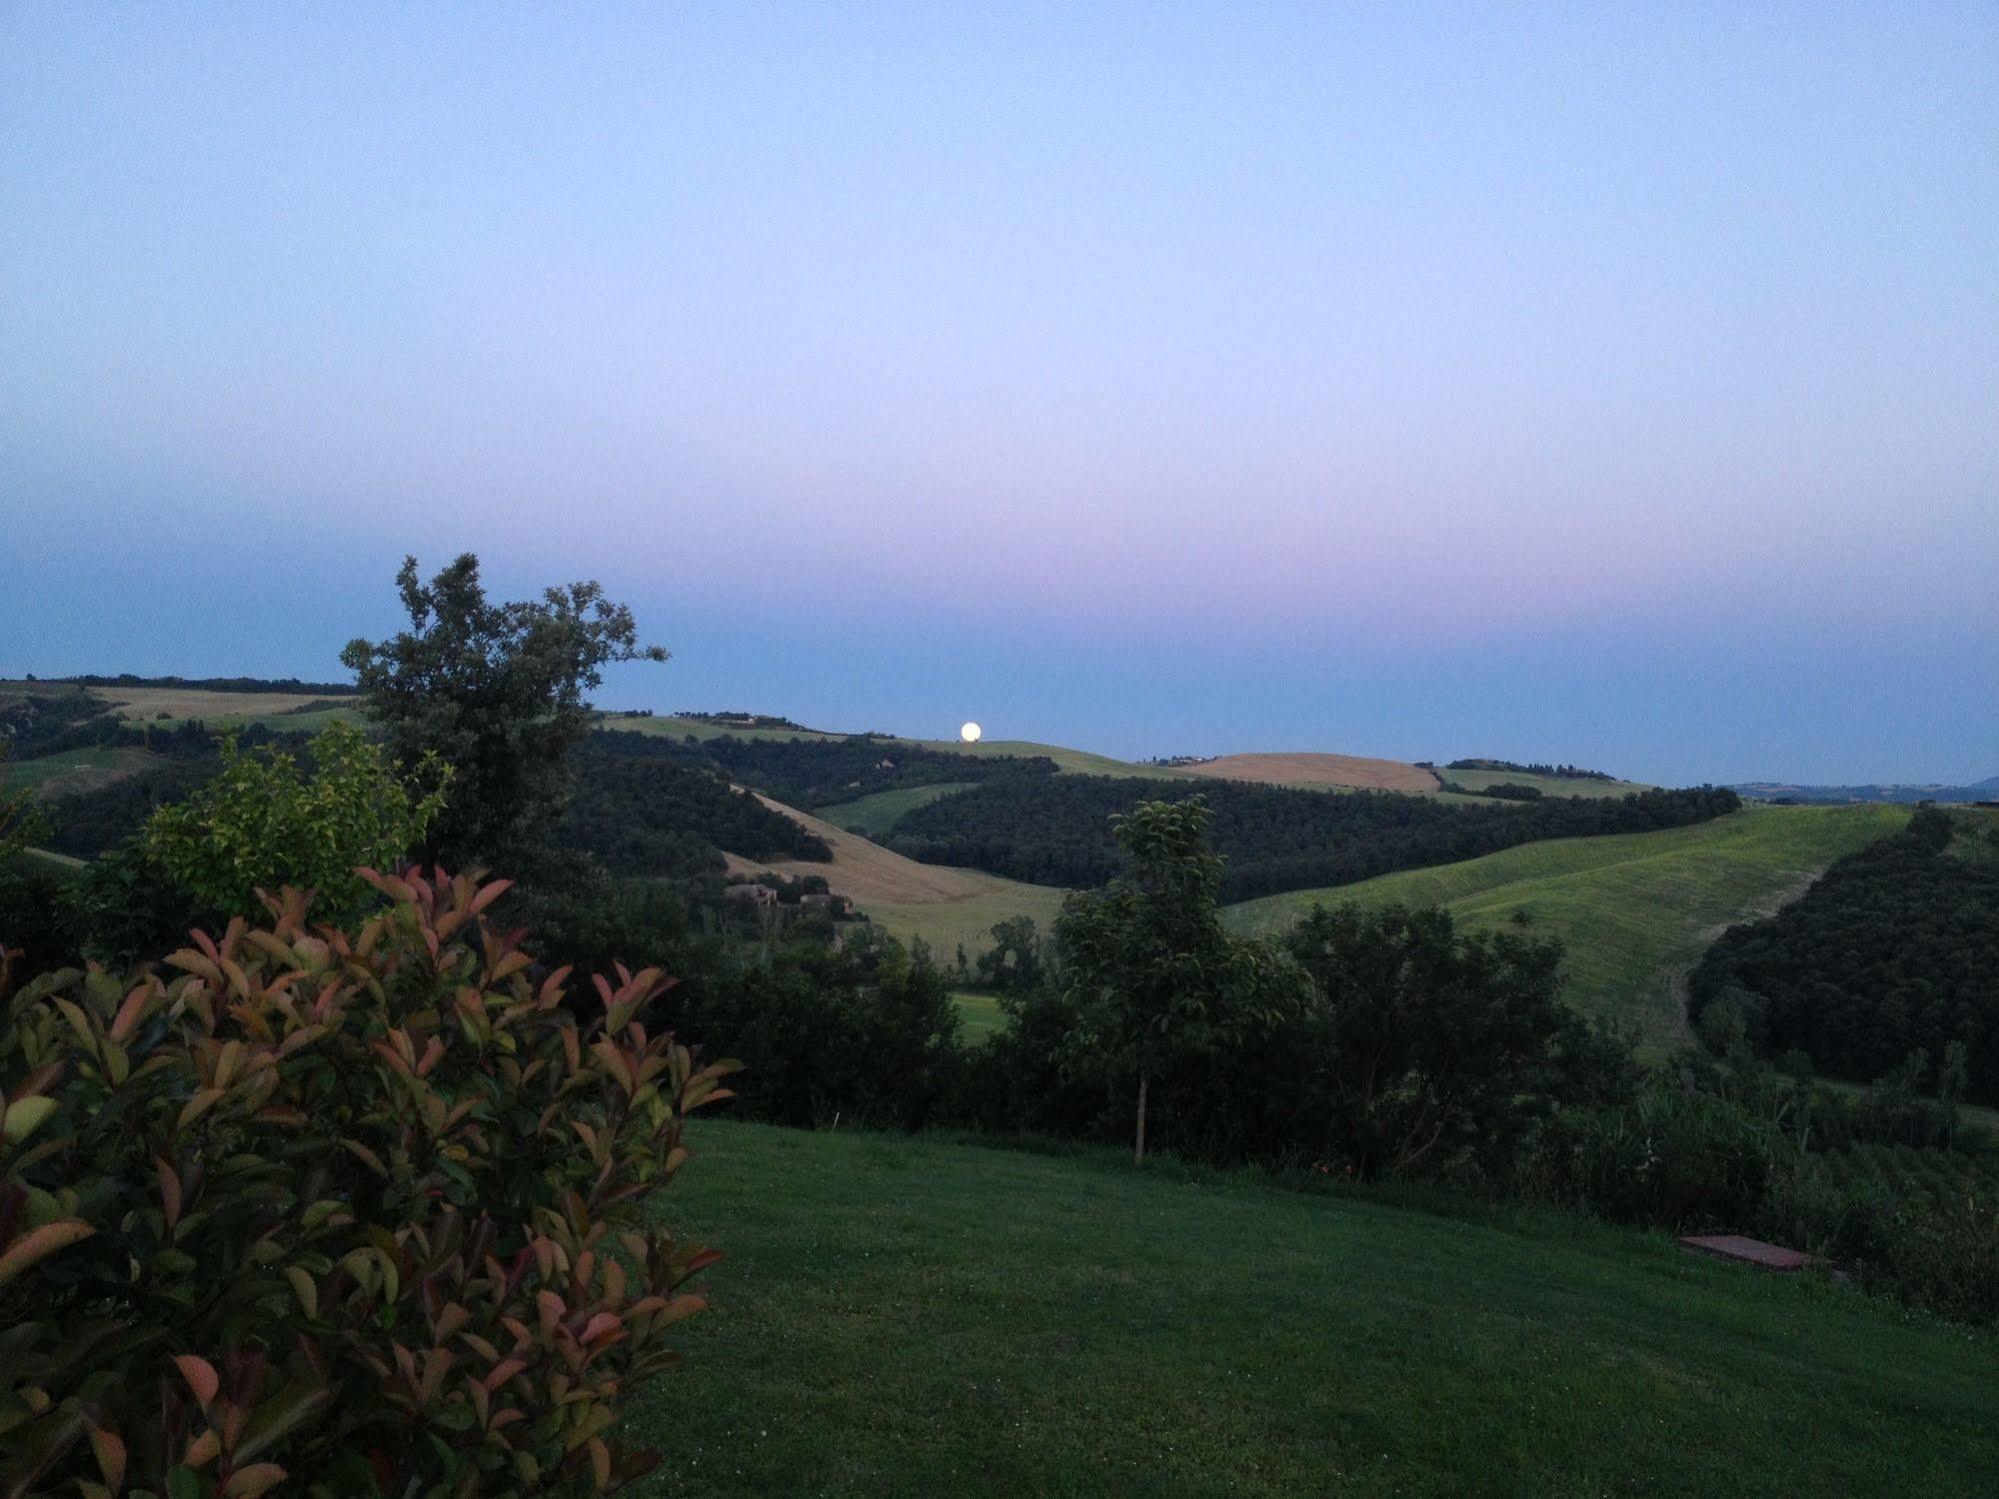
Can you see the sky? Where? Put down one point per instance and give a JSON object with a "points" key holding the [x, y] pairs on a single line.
{"points": [[1609, 384]]}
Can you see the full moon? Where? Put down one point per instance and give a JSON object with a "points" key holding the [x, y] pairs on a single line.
{"points": [[969, 733]]}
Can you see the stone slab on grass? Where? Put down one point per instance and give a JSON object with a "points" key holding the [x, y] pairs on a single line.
{"points": [[1749, 1251]]}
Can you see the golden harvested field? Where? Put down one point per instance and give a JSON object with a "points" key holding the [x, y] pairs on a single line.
{"points": [[943, 906], [143, 703], [1311, 769]]}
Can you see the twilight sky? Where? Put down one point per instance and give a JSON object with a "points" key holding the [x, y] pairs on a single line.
{"points": [[1609, 384]]}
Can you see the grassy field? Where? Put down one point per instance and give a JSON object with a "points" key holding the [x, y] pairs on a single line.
{"points": [[917, 1316], [1478, 780], [980, 1014], [147, 703], [872, 816], [1635, 909], [72, 770], [969, 921]]}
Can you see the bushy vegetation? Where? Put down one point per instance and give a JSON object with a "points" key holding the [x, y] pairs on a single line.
{"points": [[261, 824], [1058, 831], [1894, 950], [1745, 1149], [364, 1211], [859, 1034]]}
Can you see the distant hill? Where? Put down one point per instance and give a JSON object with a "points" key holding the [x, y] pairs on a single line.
{"points": [[1900, 792], [1635, 910]]}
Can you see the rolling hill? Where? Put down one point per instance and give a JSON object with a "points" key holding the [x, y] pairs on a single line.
{"points": [[1635, 909]]}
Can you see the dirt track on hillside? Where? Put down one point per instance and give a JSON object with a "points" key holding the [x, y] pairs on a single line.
{"points": [[1308, 769]]}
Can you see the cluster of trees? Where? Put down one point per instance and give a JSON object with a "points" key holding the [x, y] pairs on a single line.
{"points": [[64, 727], [1505, 791], [1056, 831], [1366, 1044], [820, 772], [38, 723], [641, 815], [1893, 951], [1563, 772]]}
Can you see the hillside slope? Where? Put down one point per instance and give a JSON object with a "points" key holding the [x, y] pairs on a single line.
{"points": [[1634, 909], [913, 1316], [944, 906], [1314, 769]]}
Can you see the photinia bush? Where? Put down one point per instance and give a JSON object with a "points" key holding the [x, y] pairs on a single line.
{"points": [[360, 1213]]}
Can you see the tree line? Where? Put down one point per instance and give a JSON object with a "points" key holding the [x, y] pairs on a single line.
{"points": [[1559, 772], [1893, 950], [1056, 830]]}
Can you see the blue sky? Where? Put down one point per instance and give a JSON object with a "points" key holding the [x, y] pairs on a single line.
{"points": [[1608, 384]]}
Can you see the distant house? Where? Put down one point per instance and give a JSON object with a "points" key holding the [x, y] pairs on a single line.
{"points": [[756, 895]]}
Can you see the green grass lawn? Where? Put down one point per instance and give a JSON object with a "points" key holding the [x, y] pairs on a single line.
{"points": [[945, 924], [980, 1015], [1478, 780], [872, 816], [918, 1316], [1635, 909]]}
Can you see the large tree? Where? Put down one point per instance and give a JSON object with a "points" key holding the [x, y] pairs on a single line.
{"points": [[1146, 959], [496, 691]]}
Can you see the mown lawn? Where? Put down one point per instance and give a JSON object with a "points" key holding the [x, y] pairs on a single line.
{"points": [[1633, 909], [919, 1316]]}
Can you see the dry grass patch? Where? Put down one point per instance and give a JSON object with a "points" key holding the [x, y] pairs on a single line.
{"points": [[145, 703], [1311, 769]]}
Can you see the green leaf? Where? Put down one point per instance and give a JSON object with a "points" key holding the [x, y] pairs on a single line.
{"points": [[25, 1116], [280, 1415]]}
